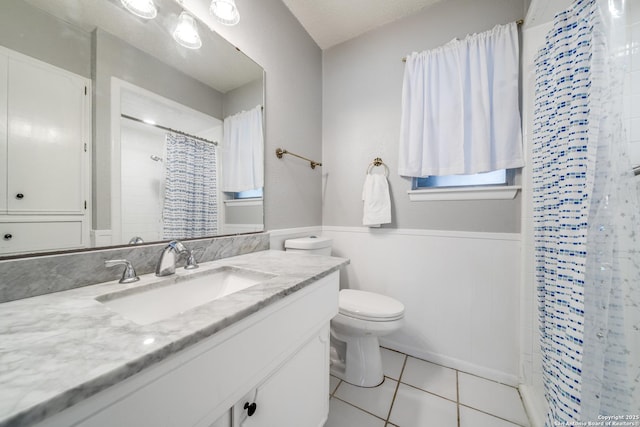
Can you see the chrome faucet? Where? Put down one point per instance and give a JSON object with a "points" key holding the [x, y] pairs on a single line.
{"points": [[136, 240], [167, 262]]}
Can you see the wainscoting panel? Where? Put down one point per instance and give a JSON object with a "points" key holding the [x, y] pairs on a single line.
{"points": [[460, 291]]}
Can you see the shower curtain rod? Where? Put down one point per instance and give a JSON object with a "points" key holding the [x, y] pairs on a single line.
{"points": [[519, 22], [179, 132]]}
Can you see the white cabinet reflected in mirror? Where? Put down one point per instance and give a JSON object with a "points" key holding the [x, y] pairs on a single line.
{"points": [[143, 156]]}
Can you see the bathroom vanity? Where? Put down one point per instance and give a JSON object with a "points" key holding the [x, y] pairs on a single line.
{"points": [[258, 356]]}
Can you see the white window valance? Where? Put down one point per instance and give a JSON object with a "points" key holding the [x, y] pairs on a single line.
{"points": [[460, 112]]}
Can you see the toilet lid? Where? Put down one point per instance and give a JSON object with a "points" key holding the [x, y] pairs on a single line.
{"points": [[369, 306]]}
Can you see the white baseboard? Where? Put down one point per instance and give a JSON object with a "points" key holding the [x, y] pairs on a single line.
{"points": [[450, 362]]}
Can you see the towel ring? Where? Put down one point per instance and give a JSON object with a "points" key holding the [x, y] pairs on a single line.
{"points": [[378, 162]]}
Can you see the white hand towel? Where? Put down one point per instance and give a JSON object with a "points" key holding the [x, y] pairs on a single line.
{"points": [[377, 202]]}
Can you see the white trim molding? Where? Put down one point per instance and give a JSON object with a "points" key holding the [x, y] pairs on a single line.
{"points": [[465, 193], [424, 232], [244, 202]]}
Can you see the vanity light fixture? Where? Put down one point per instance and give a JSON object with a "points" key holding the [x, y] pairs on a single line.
{"points": [[186, 32], [143, 8], [225, 11]]}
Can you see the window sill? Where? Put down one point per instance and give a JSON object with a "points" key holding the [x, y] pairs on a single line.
{"points": [[255, 201], [467, 193]]}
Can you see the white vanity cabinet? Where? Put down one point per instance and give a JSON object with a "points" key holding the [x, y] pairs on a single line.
{"points": [[44, 119], [292, 395], [276, 358]]}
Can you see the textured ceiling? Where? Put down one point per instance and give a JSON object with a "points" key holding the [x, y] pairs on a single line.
{"points": [[330, 22]]}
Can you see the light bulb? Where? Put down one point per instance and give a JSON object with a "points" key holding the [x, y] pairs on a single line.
{"points": [[143, 8], [186, 32], [225, 11]]}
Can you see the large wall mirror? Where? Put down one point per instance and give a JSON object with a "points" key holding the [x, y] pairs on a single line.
{"points": [[112, 133]]}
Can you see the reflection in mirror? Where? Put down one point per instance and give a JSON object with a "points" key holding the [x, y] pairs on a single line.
{"points": [[116, 133], [168, 160]]}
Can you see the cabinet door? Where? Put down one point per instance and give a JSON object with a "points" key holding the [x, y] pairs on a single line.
{"points": [[4, 63], [46, 123], [296, 394], [18, 237]]}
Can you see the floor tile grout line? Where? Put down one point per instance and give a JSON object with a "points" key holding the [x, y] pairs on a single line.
{"points": [[430, 392], [515, 423], [483, 378], [395, 392], [453, 369], [457, 382], [457, 402], [335, 389], [360, 409]]}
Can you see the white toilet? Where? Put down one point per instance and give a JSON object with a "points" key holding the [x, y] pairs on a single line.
{"points": [[362, 318]]}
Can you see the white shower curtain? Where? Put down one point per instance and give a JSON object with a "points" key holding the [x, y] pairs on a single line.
{"points": [[585, 223], [243, 151], [460, 111], [191, 194]]}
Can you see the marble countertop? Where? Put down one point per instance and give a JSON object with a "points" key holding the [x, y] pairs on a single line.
{"points": [[58, 349]]}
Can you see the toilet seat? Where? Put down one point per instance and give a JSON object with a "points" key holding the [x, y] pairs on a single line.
{"points": [[369, 306]]}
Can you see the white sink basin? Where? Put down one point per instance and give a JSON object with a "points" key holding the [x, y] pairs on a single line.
{"points": [[176, 294]]}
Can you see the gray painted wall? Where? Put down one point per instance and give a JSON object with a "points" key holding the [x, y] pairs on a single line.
{"points": [[361, 117], [243, 214], [272, 36], [32, 32], [244, 98]]}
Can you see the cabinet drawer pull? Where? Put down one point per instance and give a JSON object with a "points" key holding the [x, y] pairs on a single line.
{"points": [[8, 236], [251, 408], [19, 196]]}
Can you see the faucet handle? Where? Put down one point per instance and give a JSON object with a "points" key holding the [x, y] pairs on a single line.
{"points": [[192, 263], [128, 275]]}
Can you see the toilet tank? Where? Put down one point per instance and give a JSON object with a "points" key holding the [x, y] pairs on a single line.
{"points": [[311, 245]]}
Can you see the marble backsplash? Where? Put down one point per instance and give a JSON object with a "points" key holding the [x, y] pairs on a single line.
{"points": [[27, 277]]}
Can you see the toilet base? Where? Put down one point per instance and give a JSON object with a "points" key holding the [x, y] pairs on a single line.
{"points": [[357, 361]]}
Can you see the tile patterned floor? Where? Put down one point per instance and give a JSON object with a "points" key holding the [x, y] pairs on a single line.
{"points": [[416, 393]]}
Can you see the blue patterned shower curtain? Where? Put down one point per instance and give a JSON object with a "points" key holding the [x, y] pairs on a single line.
{"points": [[190, 200], [585, 222]]}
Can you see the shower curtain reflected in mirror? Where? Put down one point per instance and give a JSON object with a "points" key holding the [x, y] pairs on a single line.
{"points": [[190, 201]]}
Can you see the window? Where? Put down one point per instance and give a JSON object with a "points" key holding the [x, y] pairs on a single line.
{"points": [[498, 177], [249, 194], [496, 185]]}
